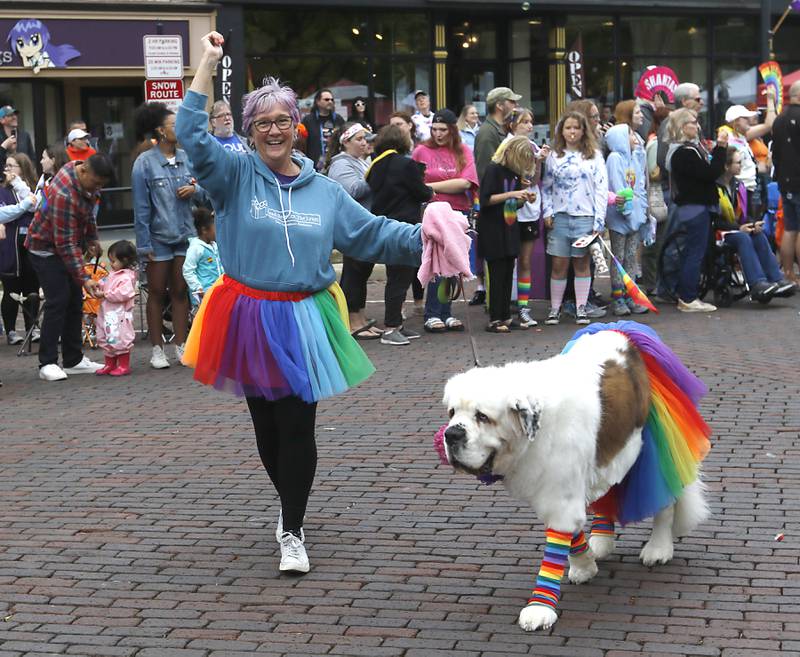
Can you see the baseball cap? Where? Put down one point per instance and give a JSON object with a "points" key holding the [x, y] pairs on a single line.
{"points": [[7, 110], [737, 112], [420, 92], [77, 133], [445, 116], [501, 93]]}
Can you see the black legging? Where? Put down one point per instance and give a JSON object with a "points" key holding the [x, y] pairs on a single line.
{"points": [[501, 278], [26, 283], [355, 274], [286, 445], [398, 280]]}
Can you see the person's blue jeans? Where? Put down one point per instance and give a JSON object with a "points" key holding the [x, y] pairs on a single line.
{"points": [[434, 307], [757, 260], [696, 221]]}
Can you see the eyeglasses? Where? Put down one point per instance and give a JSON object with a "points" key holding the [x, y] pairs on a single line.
{"points": [[359, 102], [223, 116], [327, 100], [11, 166], [283, 123]]}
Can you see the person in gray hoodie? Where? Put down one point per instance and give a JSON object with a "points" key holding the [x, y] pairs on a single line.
{"points": [[347, 165]]}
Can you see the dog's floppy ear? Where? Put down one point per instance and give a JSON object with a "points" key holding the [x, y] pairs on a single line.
{"points": [[528, 415]]}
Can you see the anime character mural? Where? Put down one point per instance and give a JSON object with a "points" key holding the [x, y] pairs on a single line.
{"points": [[30, 40]]}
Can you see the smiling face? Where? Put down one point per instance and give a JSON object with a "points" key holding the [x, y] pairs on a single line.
{"points": [[472, 116], [273, 135], [31, 47], [524, 127]]}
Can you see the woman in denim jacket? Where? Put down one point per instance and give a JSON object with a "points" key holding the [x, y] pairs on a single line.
{"points": [[163, 190]]}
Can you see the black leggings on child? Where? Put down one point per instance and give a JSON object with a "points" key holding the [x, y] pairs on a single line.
{"points": [[501, 278], [285, 438]]}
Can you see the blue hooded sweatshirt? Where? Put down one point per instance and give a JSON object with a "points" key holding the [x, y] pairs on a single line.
{"points": [[279, 237], [625, 169]]}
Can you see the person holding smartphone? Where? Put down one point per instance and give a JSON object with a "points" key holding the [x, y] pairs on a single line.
{"points": [[12, 139]]}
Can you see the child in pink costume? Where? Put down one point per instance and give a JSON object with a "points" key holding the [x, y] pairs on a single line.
{"points": [[114, 322]]}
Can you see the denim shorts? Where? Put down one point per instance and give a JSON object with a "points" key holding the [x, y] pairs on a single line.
{"points": [[566, 229], [791, 211], [165, 252]]}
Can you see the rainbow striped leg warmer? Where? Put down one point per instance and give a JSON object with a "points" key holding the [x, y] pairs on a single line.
{"points": [[602, 525], [578, 545], [523, 291], [548, 581]]}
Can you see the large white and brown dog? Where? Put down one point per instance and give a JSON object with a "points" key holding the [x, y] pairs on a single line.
{"points": [[561, 432]]}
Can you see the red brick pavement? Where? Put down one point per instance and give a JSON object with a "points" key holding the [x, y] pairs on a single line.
{"points": [[137, 521]]}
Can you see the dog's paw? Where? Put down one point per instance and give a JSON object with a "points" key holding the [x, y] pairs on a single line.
{"points": [[654, 553], [580, 574], [601, 546], [537, 617]]}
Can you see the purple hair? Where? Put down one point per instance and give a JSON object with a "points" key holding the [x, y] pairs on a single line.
{"points": [[27, 27], [265, 98]]}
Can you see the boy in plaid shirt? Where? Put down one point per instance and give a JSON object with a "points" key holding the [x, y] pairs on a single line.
{"points": [[63, 227]]}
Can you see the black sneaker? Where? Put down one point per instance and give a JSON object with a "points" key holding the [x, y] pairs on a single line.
{"points": [[478, 299], [409, 334], [763, 291], [580, 315], [785, 288]]}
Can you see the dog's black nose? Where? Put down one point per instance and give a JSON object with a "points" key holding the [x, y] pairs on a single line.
{"points": [[455, 434]]}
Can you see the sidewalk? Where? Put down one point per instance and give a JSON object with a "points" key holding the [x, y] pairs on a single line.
{"points": [[138, 522]]}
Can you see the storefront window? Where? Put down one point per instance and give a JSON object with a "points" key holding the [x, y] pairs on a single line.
{"points": [[600, 80], [530, 79], [401, 34], [786, 43], [528, 38], [658, 35], [475, 40], [394, 84], [346, 77], [736, 35], [596, 32], [735, 83], [315, 31]]}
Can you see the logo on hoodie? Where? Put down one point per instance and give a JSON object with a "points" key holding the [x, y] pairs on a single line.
{"points": [[261, 210]]}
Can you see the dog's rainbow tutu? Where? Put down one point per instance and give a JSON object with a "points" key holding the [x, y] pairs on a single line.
{"points": [[674, 439], [275, 344]]}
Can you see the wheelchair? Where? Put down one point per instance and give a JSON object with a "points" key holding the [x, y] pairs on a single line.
{"points": [[720, 274]]}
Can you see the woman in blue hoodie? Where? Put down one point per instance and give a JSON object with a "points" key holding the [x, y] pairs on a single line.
{"points": [[277, 329], [625, 221]]}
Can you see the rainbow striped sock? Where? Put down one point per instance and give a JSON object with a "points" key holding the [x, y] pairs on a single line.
{"points": [[602, 526], [578, 544], [617, 293], [548, 582], [523, 291]]}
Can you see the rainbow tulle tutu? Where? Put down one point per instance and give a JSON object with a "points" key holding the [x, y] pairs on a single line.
{"points": [[675, 439], [257, 343]]}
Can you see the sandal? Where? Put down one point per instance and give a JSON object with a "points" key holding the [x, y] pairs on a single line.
{"points": [[497, 327], [365, 333], [434, 325], [453, 324]]}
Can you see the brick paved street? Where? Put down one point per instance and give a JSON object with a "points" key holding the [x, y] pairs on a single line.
{"points": [[137, 520]]}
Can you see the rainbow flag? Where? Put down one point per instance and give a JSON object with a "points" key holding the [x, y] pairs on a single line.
{"points": [[632, 289], [773, 77]]}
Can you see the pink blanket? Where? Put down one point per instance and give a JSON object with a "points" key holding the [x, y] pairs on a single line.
{"points": [[445, 243]]}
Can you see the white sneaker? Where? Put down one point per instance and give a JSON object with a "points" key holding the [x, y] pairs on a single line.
{"points": [[293, 554], [696, 306], [179, 351], [86, 366], [14, 338], [279, 529], [36, 335], [52, 372], [158, 361]]}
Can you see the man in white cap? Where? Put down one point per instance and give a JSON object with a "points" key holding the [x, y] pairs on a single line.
{"points": [[738, 123], [78, 147], [423, 117]]}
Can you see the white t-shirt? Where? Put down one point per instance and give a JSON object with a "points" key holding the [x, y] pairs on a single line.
{"points": [[422, 124]]}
